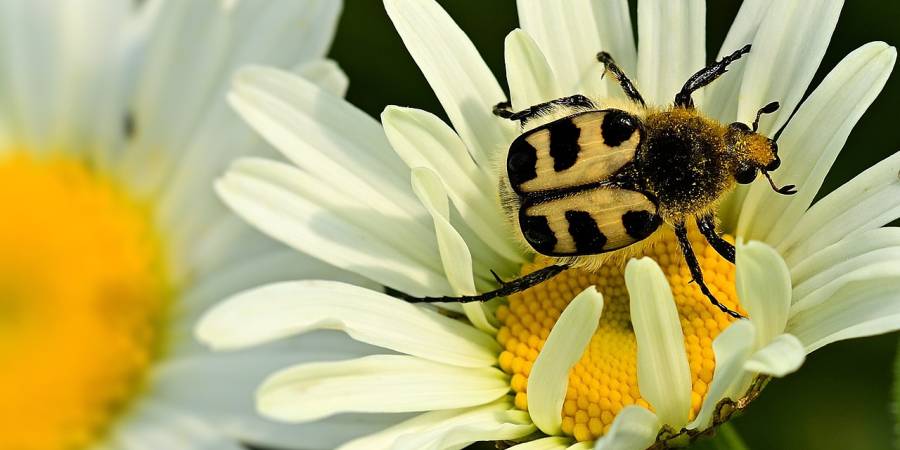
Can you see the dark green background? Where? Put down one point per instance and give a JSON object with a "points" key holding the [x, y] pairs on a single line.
{"points": [[840, 398]]}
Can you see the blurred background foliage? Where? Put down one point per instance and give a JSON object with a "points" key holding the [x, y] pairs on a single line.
{"points": [[840, 399]]}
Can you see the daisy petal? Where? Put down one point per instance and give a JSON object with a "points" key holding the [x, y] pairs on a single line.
{"points": [[326, 74], [861, 308], [423, 140], [865, 247], [455, 253], [732, 348], [547, 443], [671, 47], [881, 257], [634, 428], [764, 287], [564, 347], [284, 309], [868, 201], [590, 27], [584, 445], [530, 78], [377, 384], [720, 100], [783, 355], [813, 139], [437, 429], [664, 376], [792, 37], [458, 76], [155, 425]]}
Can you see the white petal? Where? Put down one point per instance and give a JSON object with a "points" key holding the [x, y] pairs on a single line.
{"points": [[455, 255], [868, 201], [283, 32], [883, 269], [589, 27], [442, 427], [664, 377], [785, 354], [764, 287], [793, 37], [459, 77], [285, 309], [327, 74], [732, 348], [858, 309], [424, 140], [812, 141], [863, 248], [720, 101], [330, 138], [277, 199], [584, 445], [564, 347], [847, 264], [376, 384], [497, 425], [530, 78], [547, 443], [634, 428], [671, 47]]}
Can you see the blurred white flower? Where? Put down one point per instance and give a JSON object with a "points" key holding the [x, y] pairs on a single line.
{"points": [[621, 358]]}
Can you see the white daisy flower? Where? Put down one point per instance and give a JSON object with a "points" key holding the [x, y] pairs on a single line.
{"points": [[625, 357], [113, 121]]}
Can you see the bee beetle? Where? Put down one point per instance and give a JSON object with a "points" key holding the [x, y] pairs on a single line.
{"points": [[591, 181]]}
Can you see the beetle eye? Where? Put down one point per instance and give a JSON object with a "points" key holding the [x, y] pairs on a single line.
{"points": [[740, 126], [774, 164], [745, 175]]}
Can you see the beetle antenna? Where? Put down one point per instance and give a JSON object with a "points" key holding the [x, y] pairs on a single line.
{"points": [[784, 190], [768, 109]]}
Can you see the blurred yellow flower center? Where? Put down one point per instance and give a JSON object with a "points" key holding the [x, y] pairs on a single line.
{"points": [[82, 297], [605, 379]]}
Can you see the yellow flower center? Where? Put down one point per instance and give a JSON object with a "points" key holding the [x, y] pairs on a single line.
{"points": [[605, 379], [83, 292]]}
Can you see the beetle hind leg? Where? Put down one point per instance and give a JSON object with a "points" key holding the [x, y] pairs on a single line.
{"points": [[504, 109], [506, 287]]}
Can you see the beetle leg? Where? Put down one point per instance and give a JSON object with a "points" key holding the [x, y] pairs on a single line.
{"points": [[610, 66], [705, 76], [696, 272], [504, 109], [506, 288], [707, 226]]}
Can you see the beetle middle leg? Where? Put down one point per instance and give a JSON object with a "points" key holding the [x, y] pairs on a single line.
{"points": [[684, 242], [707, 226], [610, 66]]}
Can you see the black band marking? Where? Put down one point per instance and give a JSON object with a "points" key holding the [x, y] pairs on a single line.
{"points": [[521, 162], [538, 233], [618, 127], [583, 228], [640, 224], [564, 146]]}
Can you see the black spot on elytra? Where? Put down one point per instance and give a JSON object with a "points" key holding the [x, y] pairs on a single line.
{"points": [[640, 224], [564, 146], [618, 126], [537, 232], [521, 162], [584, 231]]}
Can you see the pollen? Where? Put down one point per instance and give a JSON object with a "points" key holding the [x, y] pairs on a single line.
{"points": [[83, 296], [605, 379]]}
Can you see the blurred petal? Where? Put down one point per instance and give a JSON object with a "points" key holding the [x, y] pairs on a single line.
{"points": [[284, 309], [732, 348], [783, 355], [376, 384], [327, 74], [590, 27], [564, 347], [671, 47], [458, 76], [634, 428], [868, 201], [812, 141], [664, 377], [764, 288]]}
